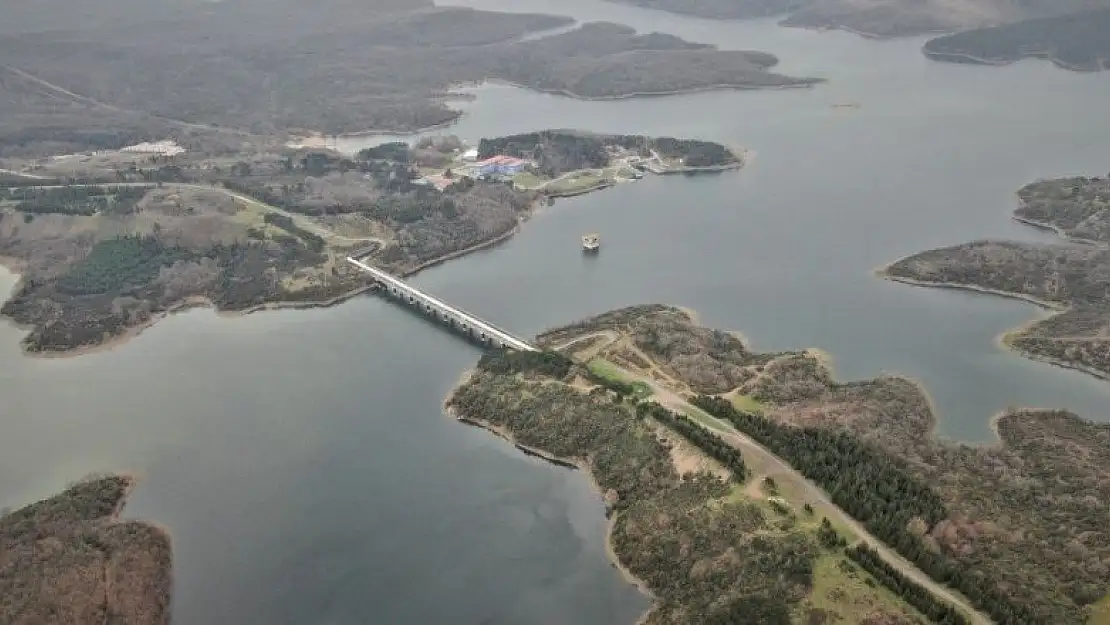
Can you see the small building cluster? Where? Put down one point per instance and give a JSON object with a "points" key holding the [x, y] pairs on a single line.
{"points": [[164, 148], [439, 181], [500, 166]]}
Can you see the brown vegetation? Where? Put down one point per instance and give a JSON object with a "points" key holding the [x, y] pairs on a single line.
{"points": [[68, 560], [1074, 278], [1029, 516], [1077, 207], [333, 67], [706, 554], [89, 278]]}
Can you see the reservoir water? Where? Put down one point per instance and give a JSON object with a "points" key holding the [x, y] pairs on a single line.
{"points": [[302, 461]]}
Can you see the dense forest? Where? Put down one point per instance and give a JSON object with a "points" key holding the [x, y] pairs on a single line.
{"points": [[126, 281], [1076, 41], [123, 265], [559, 151], [555, 152], [511, 362], [68, 559], [74, 200], [384, 65]]}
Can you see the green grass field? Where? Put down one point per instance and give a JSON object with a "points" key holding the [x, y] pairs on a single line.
{"points": [[578, 182], [527, 180], [747, 403], [1100, 612], [847, 594], [842, 592], [604, 369]]}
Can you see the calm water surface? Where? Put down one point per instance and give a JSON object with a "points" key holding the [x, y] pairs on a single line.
{"points": [[302, 460]]}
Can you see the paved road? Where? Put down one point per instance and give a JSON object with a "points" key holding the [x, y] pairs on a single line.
{"points": [[819, 498]]}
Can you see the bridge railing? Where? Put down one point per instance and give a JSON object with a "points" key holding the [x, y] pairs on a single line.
{"points": [[396, 283]]}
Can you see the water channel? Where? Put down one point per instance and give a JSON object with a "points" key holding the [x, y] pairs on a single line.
{"points": [[301, 458]]}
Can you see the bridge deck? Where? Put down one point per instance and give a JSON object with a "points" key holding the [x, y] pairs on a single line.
{"points": [[443, 307]]}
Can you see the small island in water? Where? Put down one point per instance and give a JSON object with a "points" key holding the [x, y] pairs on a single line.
{"points": [[109, 243], [68, 559], [747, 487]]}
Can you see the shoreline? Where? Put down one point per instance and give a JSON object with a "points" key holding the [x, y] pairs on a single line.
{"points": [[786, 23], [302, 138], [565, 463], [956, 286], [970, 59], [1053, 228], [647, 94], [1005, 339], [16, 267]]}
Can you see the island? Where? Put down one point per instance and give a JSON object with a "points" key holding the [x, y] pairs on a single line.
{"points": [[108, 243], [1069, 278], [69, 559], [747, 487], [1075, 41]]}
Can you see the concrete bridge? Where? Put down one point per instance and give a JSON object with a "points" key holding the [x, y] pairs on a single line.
{"points": [[456, 318]]}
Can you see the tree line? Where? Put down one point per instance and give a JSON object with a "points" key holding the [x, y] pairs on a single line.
{"points": [[312, 240], [75, 200], [509, 362], [708, 442], [913, 593], [879, 491], [120, 265]]}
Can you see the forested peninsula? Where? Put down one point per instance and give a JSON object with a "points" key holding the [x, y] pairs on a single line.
{"points": [[1070, 277], [658, 410], [68, 559], [1078, 42]]}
